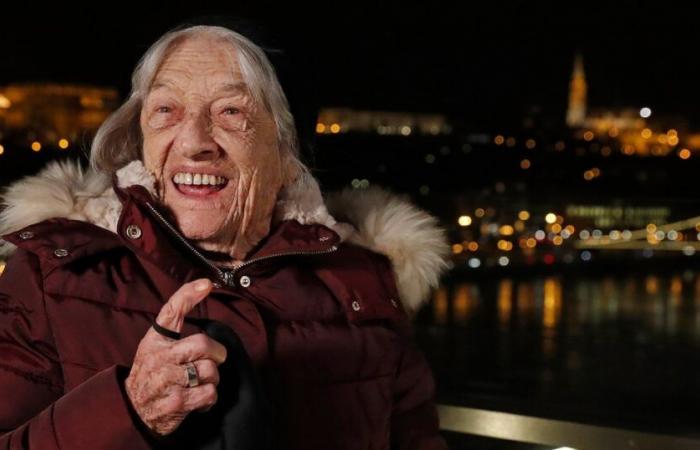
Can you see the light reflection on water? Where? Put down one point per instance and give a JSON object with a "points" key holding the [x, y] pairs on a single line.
{"points": [[609, 348], [668, 305]]}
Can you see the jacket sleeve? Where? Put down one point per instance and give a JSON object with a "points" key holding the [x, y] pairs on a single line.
{"points": [[35, 412], [414, 422]]}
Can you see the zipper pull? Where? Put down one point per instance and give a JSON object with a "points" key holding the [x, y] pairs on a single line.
{"points": [[228, 278]]}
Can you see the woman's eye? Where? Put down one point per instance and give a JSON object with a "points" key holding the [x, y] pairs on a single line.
{"points": [[231, 111], [163, 109]]}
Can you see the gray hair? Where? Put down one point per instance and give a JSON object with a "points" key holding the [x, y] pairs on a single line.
{"points": [[119, 141]]}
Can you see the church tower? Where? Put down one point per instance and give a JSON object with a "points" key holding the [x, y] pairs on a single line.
{"points": [[576, 113]]}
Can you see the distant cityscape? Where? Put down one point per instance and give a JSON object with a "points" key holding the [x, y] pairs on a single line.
{"points": [[597, 183]]}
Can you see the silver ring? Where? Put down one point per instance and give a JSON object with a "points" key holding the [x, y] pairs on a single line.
{"points": [[192, 377]]}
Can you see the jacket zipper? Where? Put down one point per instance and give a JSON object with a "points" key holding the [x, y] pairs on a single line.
{"points": [[226, 276]]}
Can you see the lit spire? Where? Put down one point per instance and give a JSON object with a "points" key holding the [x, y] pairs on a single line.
{"points": [[576, 112]]}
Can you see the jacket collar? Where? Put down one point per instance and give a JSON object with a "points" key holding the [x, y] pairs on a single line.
{"points": [[381, 221]]}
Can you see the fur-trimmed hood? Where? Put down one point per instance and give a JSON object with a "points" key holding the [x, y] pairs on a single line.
{"points": [[373, 218]]}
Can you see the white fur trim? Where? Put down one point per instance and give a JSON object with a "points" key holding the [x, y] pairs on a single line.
{"points": [[410, 237], [302, 201], [62, 189], [381, 221]]}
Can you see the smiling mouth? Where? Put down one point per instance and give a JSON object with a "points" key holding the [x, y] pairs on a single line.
{"points": [[198, 184]]}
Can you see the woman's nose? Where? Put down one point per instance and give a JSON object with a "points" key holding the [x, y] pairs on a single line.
{"points": [[194, 140]]}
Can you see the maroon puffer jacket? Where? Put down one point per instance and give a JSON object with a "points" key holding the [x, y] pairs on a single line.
{"points": [[319, 317]]}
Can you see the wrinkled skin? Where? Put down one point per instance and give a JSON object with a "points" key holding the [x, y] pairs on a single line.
{"points": [[157, 382], [199, 117], [199, 114]]}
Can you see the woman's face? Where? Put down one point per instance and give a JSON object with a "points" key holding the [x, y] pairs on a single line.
{"points": [[212, 148]]}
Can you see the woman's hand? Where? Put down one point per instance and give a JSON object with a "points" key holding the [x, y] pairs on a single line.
{"points": [[157, 384]]}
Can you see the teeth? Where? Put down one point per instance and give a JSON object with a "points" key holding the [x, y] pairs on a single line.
{"points": [[198, 179]]}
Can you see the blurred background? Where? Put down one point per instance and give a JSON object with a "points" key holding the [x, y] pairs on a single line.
{"points": [[558, 143]]}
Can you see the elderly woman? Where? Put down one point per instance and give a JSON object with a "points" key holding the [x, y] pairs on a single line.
{"points": [[198, 209]]}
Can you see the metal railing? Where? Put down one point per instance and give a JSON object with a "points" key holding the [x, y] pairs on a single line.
{"points": [[557, 433]]}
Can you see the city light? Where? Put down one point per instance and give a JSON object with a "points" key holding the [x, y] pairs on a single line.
{"points": [[320, 128], [646, 133], [5, 102], [550, 218], [473, 246], [406, 130], [588, 136], [464, 221], [335, 128], [503, 261], [499, 140], [684, 154], [523, 215], [63, 143], [457, 249], [525, 164], [530, 144], [36, 146], [645, 112], [479, 212], [504, 245], [506, 230], [474, 263], [2, 149]]}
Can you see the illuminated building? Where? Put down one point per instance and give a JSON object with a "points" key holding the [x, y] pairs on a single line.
{"points": [[576, 112], [346, 120], [633, 128], [54, 112]]}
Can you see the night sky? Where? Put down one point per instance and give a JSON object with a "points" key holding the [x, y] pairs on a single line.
{"points": [[487, 64]]}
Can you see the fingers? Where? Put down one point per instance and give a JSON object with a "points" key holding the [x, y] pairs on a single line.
{"points": [[207, 372], [199, 397], [172, 314], [182, 401], [197, 346]]}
